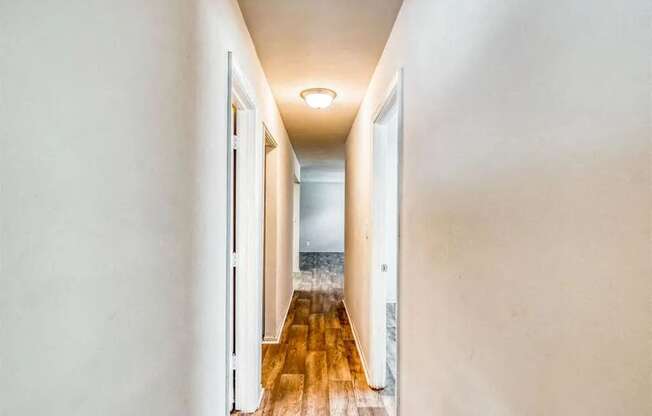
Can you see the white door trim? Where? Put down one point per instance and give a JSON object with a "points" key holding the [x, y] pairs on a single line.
{"points": [[393, 101], [296, 221], [249, 241]]}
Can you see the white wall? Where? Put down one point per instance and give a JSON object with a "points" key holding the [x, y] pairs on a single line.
{"points": [[322, 217], [112, 225], [525, 251], [286, 169], [279, 234]]}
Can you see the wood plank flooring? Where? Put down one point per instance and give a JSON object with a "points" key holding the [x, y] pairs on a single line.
{"points": [[315, 369]]}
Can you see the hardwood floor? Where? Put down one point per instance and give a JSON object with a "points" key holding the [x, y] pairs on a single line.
{"points": [[315, 369]]}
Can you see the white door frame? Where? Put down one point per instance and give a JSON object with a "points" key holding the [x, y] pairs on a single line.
{"points": [[296, 214], [296, 221], [268, 189], [249, 241], [393, 101]]}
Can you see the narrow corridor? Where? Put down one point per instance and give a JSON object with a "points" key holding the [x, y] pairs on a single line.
{"points": [[315, 369], [266, 207]]}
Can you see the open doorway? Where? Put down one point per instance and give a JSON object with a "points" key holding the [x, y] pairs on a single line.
{"points": [[296, 224], [387, 132], [270, 246], [245, 244], [321, 235]]}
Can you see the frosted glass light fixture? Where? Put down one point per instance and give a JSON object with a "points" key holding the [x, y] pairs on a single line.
{"points": [[318, 97]]}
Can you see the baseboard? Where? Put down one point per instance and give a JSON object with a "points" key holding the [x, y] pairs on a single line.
{"points": [[279, 331], [360, 350], [260, 399], [296, 279]]}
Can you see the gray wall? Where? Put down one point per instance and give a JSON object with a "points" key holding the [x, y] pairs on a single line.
{"points": [[322, 217]]}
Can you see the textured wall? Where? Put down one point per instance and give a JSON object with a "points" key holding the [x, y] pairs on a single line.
{"points": [[525, 251]]}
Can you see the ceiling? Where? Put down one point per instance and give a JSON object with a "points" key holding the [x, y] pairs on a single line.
{"points": [[333, 44]]}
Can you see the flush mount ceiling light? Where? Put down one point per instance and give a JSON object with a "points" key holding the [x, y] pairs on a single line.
{"points": [[318, 97]]}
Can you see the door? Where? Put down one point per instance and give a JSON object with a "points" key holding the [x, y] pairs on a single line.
{"points": [[244, 245]]}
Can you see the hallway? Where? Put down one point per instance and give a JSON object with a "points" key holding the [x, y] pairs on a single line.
{"points": [[315, 369], [267, 207]]}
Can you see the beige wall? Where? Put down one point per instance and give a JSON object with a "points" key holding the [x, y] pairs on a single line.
{"points": [[284, 236], [270, 244], [525, 251], [278, 235], [112, 203]]}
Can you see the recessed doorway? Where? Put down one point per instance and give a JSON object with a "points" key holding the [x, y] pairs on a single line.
{"points": [[387, 136], [244, 272]]}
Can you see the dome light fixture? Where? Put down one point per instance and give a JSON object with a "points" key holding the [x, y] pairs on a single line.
{"points": [[318, 97]]}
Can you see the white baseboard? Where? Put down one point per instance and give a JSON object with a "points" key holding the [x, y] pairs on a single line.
{"points": [[252, 411], [276, 338], [260, 400], [360, 350]]}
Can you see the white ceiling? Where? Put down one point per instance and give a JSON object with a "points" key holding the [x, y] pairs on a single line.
{"points": [[334, 44]]}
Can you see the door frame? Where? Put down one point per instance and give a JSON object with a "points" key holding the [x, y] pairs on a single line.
{"points": [[393, 100], [270, 145], [248, 260], [296, 223]]}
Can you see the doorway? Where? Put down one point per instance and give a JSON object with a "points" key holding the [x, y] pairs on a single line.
{"points": [[296, 233], [245, 158], [270, 244], [386, 145]]}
